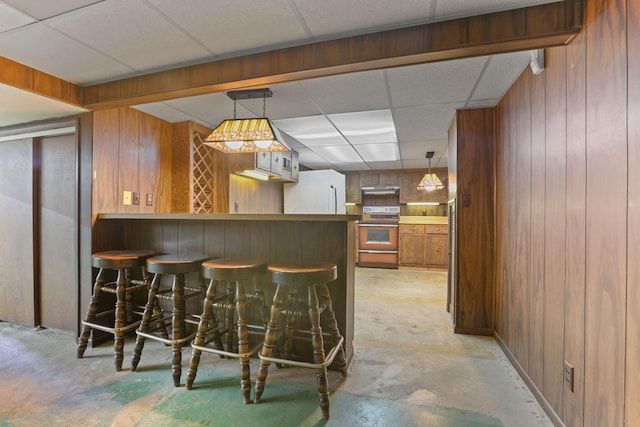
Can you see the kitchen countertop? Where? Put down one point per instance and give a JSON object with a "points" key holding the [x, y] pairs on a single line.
{"points": [[424, 220], [231, 217]]}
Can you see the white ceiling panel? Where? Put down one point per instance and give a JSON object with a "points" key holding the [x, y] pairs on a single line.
{"points": [[349, 92], [165, 112], [447, 9], [331, 17], [312, 131], [308, 157], [423, 123], [110, 27], [366, 127], [418, 150], [11, 18], [435, 83], [338, 154], [386, 165], [228, 26], [358, 166], [500, 74], [46, 9], [378, 152], [285, 99], [45, 49]]}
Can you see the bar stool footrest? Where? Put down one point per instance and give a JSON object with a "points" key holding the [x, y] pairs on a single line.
{"points": [[111, 329], [328, 360]]}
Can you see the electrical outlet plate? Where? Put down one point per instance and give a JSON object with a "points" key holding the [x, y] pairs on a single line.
{"points": [[127, 197], [136, 198], [568, 375], [149, 199]]}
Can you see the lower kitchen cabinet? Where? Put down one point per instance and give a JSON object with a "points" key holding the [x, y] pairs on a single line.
{"points": [[423, 245]]}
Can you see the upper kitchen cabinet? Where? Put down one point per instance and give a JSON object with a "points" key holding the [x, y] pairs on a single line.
{"points": [[353, 190], [131, 152]]}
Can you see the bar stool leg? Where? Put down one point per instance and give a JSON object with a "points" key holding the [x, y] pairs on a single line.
{"points": [[229, 317], [121, 318], [332, 326], [318, 351], [91, 314], [243, 341], [177, 325], [290, 327], [269, 343], [151, 306], [201, 336]]}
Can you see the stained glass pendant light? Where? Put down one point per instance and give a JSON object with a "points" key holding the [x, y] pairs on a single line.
{"points": [[430, 181]]}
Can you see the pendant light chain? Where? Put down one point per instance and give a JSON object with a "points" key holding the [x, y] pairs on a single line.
{"points": [[264, 105]]}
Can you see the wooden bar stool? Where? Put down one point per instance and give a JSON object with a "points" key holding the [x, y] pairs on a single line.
{"points": [[177, 266], [290, 278], [235, 274], [123, 287]]}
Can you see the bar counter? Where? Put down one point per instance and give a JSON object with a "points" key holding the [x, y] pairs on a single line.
{"points": [[272, 237]]}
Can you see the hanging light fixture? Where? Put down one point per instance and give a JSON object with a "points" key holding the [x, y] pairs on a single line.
{"points": [[430, 181], [247, 135]]}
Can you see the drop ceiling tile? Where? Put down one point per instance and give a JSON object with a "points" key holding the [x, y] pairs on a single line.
{"points": [[424, 123], [378, 152], [313, 131], [288, 100], [11, 18], [500, 74], [308, 157], [110, 27], [338, 154], [164, 111], [349, 92], [359, 166], [231, 26], [211, 108], [46, 9], [45, 49], [331, 17], [366, 127], [434, 83], [417, 150], [459, 8], [414, 164]]}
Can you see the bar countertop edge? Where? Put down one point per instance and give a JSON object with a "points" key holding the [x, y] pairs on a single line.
{"points": [[230, 217]]}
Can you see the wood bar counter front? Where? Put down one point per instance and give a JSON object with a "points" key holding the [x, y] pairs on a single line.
{"points": [[272, 237]]}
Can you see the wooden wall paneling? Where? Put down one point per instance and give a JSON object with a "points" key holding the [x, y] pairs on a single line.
{"points": [[475, 221], [154, 163], [191, 236], [511, 219], [106, 125], [632, 392], [576, 217], [555, 226], [169, 242], [85, 135], [607, 185], [181, 185], [523, 217], [128, 154], [537, 280], [214, 239], [501, 317], [16, 222]]}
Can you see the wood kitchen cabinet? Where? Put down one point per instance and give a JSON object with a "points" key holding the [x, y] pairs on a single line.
{"points": [[423, 245]]}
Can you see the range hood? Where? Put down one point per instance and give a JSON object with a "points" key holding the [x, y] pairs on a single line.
{"points": [[381, 190]]}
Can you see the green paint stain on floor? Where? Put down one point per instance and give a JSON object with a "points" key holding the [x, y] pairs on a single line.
{"points": [[149, 399]]}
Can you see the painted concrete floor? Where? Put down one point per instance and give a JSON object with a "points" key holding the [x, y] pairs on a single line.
{"points": [[409, 369]]}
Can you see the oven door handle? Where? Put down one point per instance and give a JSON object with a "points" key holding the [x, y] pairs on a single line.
{"points": [[370, 251], [378, 225]]}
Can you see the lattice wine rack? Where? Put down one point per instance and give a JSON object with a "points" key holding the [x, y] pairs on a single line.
{"points": [[203, 180]]}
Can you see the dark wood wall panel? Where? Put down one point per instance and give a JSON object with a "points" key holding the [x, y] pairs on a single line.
{"points": [[536, 301], [475, 221], [555, 225], [605, 304], [576, 225], [584, 224], [106, 126], [632, 394], [522, 90]]}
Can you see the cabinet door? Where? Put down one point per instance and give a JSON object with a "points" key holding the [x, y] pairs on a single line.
{"points": [[412, 249], [276, 163], [353, 191], [437, 249], [263, 161]]}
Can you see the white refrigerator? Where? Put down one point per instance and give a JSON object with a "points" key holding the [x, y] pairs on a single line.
{"points": [[316, 192]]}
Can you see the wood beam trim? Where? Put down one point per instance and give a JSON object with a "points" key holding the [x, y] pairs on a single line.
{"points": [[534, 27], [26, 78]]}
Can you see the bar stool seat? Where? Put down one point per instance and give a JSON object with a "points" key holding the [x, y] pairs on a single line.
{"points": [[291, 278], [176, 265], [235, 274], [123, 287]]}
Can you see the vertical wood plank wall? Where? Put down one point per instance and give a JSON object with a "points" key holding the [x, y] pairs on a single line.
{"points": [[568, 221]]}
